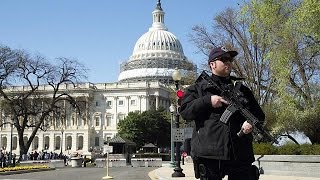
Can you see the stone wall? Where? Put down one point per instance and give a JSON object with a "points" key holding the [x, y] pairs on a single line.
{"points": [[286, 165], [290, 165]]}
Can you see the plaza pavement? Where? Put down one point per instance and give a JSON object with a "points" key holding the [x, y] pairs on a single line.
{"points": [[165, 172]]}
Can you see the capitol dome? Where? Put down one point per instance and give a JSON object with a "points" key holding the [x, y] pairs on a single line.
{"points": [[155, 41], [156, 54]]}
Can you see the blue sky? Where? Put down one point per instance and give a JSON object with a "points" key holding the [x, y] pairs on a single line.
{"points": [[99, 33]]}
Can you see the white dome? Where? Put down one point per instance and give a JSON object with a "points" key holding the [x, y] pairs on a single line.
{"points": [[156, 54], [157, 41]]}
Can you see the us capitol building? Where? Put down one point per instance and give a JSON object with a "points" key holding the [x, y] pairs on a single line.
{"points": [[143, 83]]}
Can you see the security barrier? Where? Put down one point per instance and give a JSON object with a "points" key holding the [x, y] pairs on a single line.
{"points": [[101, 162], [146, 162]]}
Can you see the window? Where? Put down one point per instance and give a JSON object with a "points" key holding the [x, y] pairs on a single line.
{"points": [[121, 103], [97, 103], [121, 117], [14, 143], [73, 119], [132, 102], [107, 136], [68, 121], [109, 103], [96, 141], [108, 139], [97, 120], [108, 120]]}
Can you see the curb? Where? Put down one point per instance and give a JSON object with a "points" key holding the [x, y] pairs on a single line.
{"points": [[152, 175]]}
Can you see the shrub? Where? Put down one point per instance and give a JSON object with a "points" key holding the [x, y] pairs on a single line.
{"points": [[289, 149], [19, 168], [264, 148], [316, 149], [306, 149], [286, 149]]}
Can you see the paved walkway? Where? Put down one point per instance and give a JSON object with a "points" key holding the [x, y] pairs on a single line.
{"points": [[164, 173]]}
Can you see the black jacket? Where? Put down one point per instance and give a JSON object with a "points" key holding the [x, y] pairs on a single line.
{"points": [[211, 138]]}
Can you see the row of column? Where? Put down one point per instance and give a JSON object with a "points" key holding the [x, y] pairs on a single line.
{"points": [[69, 142]]}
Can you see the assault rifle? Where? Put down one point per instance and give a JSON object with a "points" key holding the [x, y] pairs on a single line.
{"points": [[234, 97]]}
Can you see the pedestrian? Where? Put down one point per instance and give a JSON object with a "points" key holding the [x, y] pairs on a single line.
{"points": [[65, 160], [85, 161], [1, 159], [184, 155], [216, 148], [14, 159]]}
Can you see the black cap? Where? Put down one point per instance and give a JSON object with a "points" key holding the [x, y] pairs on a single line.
{"points": [[218, 52]]}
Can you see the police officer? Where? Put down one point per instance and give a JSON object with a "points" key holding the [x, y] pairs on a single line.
{"points": [[216, 148]]}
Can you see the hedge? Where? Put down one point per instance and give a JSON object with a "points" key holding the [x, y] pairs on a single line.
{"points": [[287, 149]]}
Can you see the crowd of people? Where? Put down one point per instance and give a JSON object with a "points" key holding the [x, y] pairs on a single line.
{"points": [[42, 155], [34, 155], [5, 158]]}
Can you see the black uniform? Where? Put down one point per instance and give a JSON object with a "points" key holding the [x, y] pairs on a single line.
{"points": [[215, 146]]}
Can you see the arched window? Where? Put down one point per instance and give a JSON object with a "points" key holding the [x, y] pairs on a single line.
{"points": [[14, 143], [69, 142], [4, 143], [57, 143], [80, 143], [46, 142], [35, 143]]}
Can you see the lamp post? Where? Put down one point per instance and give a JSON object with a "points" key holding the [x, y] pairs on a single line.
{"points": [[62, 131], [10, 154], [176, 76], [61, 117], [172, 109]]}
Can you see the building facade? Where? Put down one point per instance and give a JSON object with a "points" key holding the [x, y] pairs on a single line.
{"points": [[143, 83]]}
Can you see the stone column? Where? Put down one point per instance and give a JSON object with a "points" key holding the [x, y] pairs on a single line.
{"points": [[116, 108], [128, 100], [86, 141], [157, 102], [140, 97], [52, 141], [85, 119], [40, 145], [147, 102]]}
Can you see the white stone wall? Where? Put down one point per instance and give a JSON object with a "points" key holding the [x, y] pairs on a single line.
{"points": [[138, 96]]}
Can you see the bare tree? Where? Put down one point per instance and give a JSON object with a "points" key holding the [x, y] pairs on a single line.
{"points": [[33, 90], [7, 65], [231, 30]]}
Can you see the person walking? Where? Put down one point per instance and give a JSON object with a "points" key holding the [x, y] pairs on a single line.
{"points": [[216, 148]]}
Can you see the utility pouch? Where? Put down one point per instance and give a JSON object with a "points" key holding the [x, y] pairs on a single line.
{"points": [[196, 167], [202, 170], [254, 172]]}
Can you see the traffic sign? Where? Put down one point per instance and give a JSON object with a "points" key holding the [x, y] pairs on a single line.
{"points": [[178, 135], [107, 149]]}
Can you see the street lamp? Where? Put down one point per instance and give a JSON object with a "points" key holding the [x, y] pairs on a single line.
{"points": [[176, 76], [172, 109], [61, 118], [10, 155], [62, 130]]}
